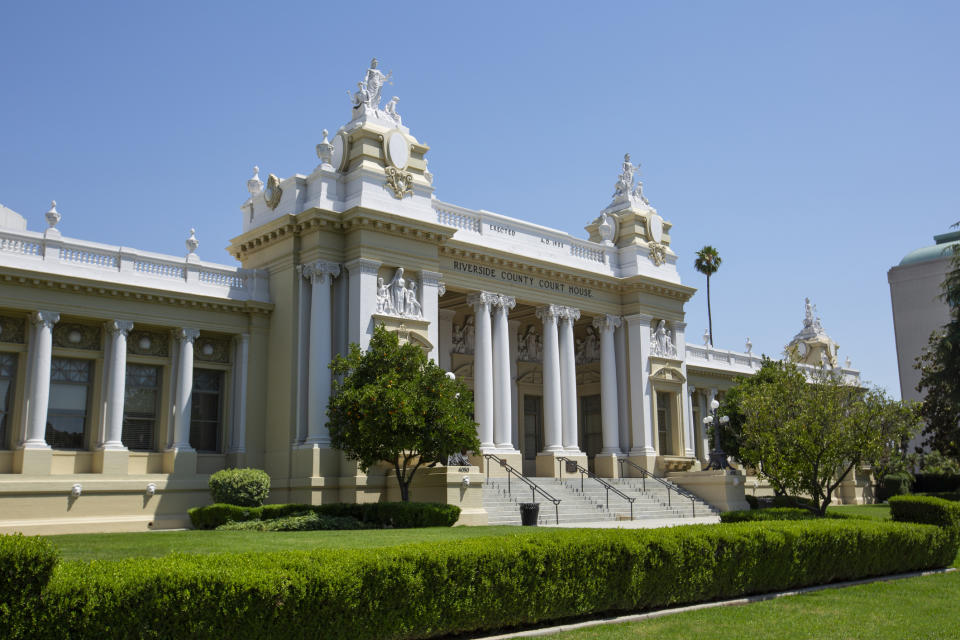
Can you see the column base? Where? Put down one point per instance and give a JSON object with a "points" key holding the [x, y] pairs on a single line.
{"points": [[513, 458], [605, 465], [549, 467], [33, 461], [180, 461], [313, 461], [114, 462], [648, 461]]}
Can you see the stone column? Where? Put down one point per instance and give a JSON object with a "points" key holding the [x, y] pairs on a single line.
{"points": [[691, 430], [502, 400], [483, 388], [641, 405], [320, 275], [568, 379], [704, 436], [181, 418], [605, 325], [363, 299], [623, 388], [552, 403], [431, 288], [42, 322], [238, 443], [117, 376]]}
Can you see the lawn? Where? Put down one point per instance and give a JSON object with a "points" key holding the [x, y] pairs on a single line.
{"points": [[113, 546]]}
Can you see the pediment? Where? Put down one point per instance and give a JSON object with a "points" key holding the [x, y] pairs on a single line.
{"points": [[667, 373]]}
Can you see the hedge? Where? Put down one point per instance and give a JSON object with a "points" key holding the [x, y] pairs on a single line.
{"points": [[305, 522], [424, 590], [936, 482], [241, 487], [927, 510], [26, 565], [397, 515]]}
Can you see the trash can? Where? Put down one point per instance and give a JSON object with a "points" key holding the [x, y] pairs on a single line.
{"points": [[528, 513]]}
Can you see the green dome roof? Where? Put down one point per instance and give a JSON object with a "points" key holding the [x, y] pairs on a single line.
{"points": [[943, 249]]}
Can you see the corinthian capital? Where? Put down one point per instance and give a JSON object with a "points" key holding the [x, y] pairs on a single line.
{"points": [[506, 302], [320, 271], [44, 319], [482, 300], [188, 335], [117, 327], [570, 313], [550, 312], [606, 322]]}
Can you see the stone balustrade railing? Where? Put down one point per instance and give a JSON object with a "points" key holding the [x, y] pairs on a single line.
{"points": [[54, 254], [747, 363], [493, 229]]}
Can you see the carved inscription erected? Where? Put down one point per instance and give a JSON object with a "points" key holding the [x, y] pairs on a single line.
{"points": [[522, 279]]}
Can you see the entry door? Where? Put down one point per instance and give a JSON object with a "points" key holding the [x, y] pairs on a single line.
{"points": [[532, 432], [591, 419], [663, 424]]}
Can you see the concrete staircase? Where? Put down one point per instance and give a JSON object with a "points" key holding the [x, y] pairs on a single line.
{"points": [[589, 503]]}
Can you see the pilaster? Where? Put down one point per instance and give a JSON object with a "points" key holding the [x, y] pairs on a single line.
{"points": [[363, 299], [431, 288]]}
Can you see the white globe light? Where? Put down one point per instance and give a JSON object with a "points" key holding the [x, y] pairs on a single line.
{"points": [[714, 404]]}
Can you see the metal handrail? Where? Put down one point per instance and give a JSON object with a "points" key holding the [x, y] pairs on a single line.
{"points": [[644, 474], [606, 485], [534, 487]]}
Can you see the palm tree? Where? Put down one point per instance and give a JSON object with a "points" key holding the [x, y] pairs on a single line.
{"points": [[707, 263]]}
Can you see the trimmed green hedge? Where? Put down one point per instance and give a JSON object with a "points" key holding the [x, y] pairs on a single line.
{"points": [[927, 510], [241, 487], [396, 515], [773, 513], [26, 565], [424, 590]]}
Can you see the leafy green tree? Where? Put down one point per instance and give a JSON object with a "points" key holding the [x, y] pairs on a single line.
{"points": [[390, 403], [939, 366], [707, 262], [771, 372], [809, 436]]}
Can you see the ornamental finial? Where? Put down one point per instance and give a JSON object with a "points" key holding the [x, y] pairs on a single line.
{"points": [[192, 242], [255, 184], [53, 216]]}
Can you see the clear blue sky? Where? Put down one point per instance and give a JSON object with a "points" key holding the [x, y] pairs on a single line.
{"points": [[814, 144]]}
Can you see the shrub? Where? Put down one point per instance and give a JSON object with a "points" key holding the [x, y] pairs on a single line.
{"points": [[394, 515], [425, 590], [240, 487], [26, 564], [791, 501], [897, 484], [301, 522], [774, 513], [752, 501], [937, 482], [926, 510], [952, 496], [214, 515]]}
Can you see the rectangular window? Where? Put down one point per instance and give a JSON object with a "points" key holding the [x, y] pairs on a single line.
{"points": [[8, 373], [141, 397], [663, 424], [69, 397], [205, 406]]}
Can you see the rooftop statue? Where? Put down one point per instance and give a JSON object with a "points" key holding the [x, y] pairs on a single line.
{"points": [[368, 94], [625, 190]]}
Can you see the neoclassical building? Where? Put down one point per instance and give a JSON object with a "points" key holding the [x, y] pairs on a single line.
{"points": [[128, 376]]}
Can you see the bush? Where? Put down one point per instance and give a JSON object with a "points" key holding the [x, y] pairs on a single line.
{"points": [[240, 487], [791, 502], [302, 522], [897, 484], [951, 496], [926, 510], [423, 590], [26, 564], [392, 515], [752, 501]]}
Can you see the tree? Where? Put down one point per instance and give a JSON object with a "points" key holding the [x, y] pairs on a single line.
{"points": [[939, 366], [390, 403], [771, 372], [707, 262], [810, 435]]}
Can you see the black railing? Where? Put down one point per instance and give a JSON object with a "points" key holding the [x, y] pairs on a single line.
{"points": [[534, 487], [644, 474], [584, 473]]}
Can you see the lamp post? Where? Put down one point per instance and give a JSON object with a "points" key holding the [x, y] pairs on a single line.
{"points": [[718, 459]]}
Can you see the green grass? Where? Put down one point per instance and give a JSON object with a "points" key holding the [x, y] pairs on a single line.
{"points": [[923, 607], [873, 511], [113, 546]]}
